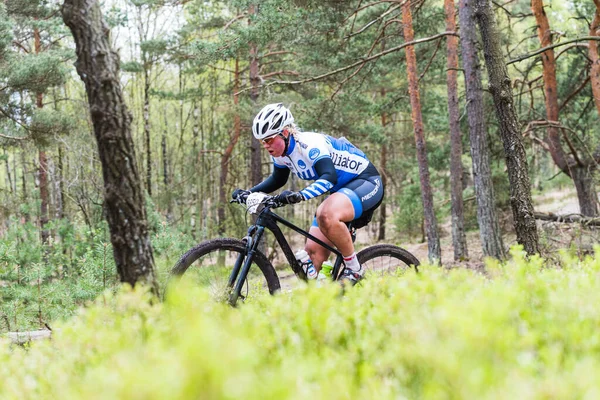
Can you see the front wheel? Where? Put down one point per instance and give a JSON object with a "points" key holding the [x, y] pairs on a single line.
{"points": [[387, 259], [210, 263]]}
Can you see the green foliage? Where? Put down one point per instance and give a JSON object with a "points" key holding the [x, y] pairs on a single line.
{"points": [[522, 330], [408, 215], [115, 17], [48, 283], [28, 8], [154, 47], [5, 31], [47, 123], [37, 72], [132, 66]]}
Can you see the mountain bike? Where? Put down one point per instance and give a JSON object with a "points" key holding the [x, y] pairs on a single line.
{"points": [[227, 266]]}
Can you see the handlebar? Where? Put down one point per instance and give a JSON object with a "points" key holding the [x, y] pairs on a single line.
{"points": [[268, 201]]}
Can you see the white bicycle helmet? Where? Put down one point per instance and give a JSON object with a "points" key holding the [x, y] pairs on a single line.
{"points": [[271, 120]]}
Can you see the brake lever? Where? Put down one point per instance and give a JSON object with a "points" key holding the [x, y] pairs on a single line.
{"points": [[272, 203], [236, 201]]}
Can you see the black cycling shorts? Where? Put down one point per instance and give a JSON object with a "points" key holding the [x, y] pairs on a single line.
{"points": [[365, 192]]}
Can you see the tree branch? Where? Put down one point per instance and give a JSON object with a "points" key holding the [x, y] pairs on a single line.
{"points": [[228, 24], [543, 49], [21, 46], [575, 93], [367, 6], [270, 74], [347, 67], [364, 28], [14, 137], [437, 47], [275, 53], [16, 121], [569, 47]]}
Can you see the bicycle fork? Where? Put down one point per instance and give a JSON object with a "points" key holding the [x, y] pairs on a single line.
{"points": [[243, 263]]}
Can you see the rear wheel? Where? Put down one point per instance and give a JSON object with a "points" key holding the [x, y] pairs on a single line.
{"points": [[210, 264], [387, 259]]}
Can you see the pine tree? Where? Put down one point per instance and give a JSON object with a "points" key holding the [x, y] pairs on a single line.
{"points": [[33, 65]]}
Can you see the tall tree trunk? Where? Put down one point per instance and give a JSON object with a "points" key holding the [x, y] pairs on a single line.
{"points": [[44, 195], [195, 218], [8, 171], [24, 176], [383, 162], [586, 192], [516, 160], [146, 116], [593, 54], [383, 166], [226, 157], [98, 66], [60, 204], [579, 171], [433, 239], [255, 147], [595, 82], [550, 87], [16, 174], [489, 230], [59, 187], [43, 161], [166, 165], [459, 239]]}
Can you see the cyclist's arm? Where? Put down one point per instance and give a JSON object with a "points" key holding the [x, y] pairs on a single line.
{"points": [[327, 179], [276, 180]]}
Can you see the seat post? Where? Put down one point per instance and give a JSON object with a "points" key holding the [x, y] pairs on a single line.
{"points": [[352, 230]]}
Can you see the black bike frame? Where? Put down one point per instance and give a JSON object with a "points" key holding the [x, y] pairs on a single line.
{"points": [[267, 219]]}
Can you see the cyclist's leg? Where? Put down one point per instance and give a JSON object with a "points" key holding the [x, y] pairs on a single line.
{"points": [[338, 209], [317, 253], [332, 216], [359, 196]]}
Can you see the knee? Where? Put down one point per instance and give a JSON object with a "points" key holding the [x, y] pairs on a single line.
{"points": [[326, 219]]}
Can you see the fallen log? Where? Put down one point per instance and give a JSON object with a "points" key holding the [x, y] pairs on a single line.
{"points": [[26, 337], [568, 218]]}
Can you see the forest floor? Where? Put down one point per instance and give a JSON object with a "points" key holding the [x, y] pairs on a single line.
{"points": [[559, 202]]}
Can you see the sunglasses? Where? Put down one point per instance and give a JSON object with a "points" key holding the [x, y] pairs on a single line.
{"points": [[269, 141]]}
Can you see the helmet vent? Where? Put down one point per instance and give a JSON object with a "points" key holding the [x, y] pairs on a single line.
{"points": [[277, 124]]}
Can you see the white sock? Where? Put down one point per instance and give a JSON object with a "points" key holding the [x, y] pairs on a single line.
{"points": [[351, 262]]}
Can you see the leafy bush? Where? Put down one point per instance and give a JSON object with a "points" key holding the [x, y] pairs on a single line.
{"points": [[41, 284], [521, 330]]}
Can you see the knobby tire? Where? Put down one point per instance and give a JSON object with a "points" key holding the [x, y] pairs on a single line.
{"points": [[229, 244], [388, 250]]}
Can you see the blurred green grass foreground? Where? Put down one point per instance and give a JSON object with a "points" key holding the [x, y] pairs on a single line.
{"points": [[522, 330]]}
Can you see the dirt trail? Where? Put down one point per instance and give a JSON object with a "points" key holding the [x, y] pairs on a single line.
{"points": [[563, 201]]}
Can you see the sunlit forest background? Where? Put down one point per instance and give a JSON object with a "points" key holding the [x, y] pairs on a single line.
{"points": [[194, 73]]}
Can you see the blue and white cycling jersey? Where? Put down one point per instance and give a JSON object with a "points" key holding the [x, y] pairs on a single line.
{"points": [[310, 147]]}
